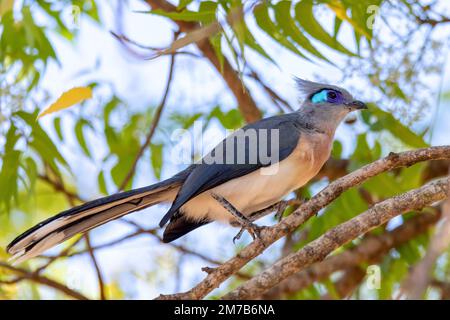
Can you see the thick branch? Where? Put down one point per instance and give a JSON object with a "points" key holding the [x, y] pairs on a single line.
{"points": [[246, 104], [416, 283], [347, 284], [318, 249], [307, 210], [371, 250]]}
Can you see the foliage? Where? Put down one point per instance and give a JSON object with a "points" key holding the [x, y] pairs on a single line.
{"points": [[106, 132]]}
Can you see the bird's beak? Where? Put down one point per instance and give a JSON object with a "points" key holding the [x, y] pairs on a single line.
{"points": [[357, 105]]}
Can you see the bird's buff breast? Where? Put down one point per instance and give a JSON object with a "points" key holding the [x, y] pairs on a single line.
{"points": [[266, 186]]}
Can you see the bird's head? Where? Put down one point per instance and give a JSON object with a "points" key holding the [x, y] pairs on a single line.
{"points": [[327, 99]]}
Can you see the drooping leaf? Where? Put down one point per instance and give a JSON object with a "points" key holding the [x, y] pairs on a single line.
{"points": [[388, 122], [156, 151], [305, 17], [341, 12], [5, 6], [261, 13], [80, 136], [68, 99], [184, 15], [102, 183], [287, 24], [57, 126]]}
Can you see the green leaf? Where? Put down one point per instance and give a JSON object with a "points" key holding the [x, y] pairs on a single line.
{"points": [[229, 120], [57, 126], [156, 151], [32, 172], [80, 136], [6, 6], [261, 12], [185, 15], [41, 142], [183, 4], [102, 183], [11, 138], [120, 171], [337, 27], [287, 24], [9, 175], [340, 11], [396, 128], [216, 42], [336, 152], [305, 16]]}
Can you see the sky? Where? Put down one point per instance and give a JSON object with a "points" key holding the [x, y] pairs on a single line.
{"points": [[141, 83]]}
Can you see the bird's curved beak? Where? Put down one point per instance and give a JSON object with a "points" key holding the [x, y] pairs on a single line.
{"points": [[356, 105]]}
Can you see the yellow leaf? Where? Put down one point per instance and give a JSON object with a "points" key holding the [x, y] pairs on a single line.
{"points": [[5, 6], [68, 99]]}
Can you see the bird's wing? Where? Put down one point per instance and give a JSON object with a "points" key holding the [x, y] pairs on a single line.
{"points": [[207, 176]]}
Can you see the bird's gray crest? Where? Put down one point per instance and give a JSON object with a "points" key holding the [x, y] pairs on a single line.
{"points": [[307, 88]]}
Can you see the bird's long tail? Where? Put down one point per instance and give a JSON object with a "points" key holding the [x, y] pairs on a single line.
{"points": [[90, 215]]}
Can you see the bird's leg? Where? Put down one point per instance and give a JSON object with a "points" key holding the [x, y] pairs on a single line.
{"points": [[277, 207], [244, 222]]}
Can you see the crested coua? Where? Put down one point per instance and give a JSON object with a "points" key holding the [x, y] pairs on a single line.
{"points": [[241, 179]]}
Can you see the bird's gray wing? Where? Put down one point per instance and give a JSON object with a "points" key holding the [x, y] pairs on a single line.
{"points": [[207, 176]]}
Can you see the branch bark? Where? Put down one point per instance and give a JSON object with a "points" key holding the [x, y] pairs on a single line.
{"points": [[304, 212], [371, 250], [318, 249], [415, 285], [98, 271]]}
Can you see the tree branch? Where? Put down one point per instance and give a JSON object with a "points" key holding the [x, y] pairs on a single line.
{"points": [[101, 283], [318, 249], [24, 274], [417, 282], [307, 210], [371, 250]]}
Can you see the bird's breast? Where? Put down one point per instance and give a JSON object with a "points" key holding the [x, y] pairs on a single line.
{"points": [[266, 186]]}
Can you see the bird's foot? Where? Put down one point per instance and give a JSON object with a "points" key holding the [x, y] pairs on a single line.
{"points": [[253, 229], [240, 220]]}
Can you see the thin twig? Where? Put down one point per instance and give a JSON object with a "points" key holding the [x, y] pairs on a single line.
{"points": [[32, 276], [153, 126], [101, 283]]}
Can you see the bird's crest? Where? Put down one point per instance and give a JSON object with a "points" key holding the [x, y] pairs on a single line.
{"points": [[308, 88]]}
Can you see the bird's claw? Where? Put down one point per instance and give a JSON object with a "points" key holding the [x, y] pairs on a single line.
{"points": [[280, 210], [253, 229]]}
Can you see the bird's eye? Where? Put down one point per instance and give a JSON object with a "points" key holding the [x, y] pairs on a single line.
{"points": [[331, 95]]}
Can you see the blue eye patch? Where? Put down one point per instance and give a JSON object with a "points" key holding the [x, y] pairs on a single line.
{"points": [[327, 95], [319, 97]]}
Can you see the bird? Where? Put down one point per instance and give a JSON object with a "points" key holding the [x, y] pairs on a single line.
{"points": [[236, 182]]}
